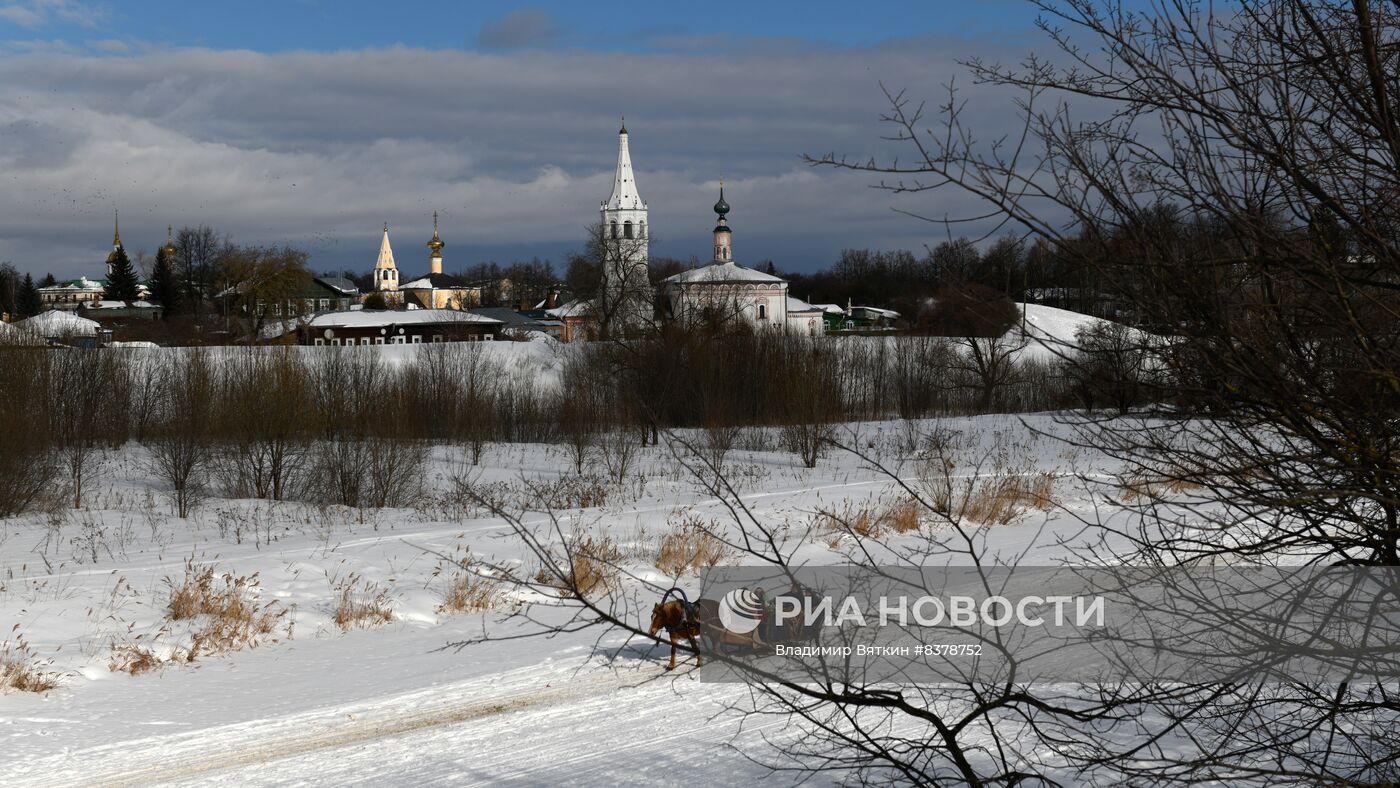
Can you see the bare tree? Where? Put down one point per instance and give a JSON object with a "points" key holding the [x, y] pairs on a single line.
{"points": [[264, 406], [197, 251], [258, 279], [28, 462], [182, 445], [1235, 187], [622, 300], [80, 384]]}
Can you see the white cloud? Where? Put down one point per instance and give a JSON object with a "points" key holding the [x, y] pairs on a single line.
{"points": [[516, 151], [37, 13]]}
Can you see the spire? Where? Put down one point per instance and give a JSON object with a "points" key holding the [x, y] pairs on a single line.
{"points": [[624, 125], [116, 243], [435, 261], [386, 252], [386, 274], [169, 247], [624, 193], [724, 244]]}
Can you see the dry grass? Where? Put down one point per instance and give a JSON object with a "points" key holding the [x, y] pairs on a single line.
{"points": [[224, 611], [134, 659], [874, 520], [20, 668], [361, 605], [690, 547], [1140, 487], [1003, 498], [593, 567], [469, 592]]}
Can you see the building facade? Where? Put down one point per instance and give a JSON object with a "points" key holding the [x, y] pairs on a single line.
{"points": [[726, 292], [399, 327]]}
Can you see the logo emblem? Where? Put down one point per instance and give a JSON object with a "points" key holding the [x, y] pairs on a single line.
{"points": [[741, 611]]}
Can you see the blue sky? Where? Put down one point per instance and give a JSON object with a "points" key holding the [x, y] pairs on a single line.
{"points": [[327, 25], [312, 123]]}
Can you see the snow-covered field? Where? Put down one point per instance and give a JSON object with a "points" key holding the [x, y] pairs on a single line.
{"points": [[310, 702]]}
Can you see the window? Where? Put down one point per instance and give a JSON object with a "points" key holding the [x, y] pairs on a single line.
{"points": [[641, 229], [762, 311], [364, 340], [487, 338], [627, 229], [335, 342], [324, 304], [396, 340], [417, 339], [379, 340], [320, 341], [277, 308], [437, 337], [614, 229]]}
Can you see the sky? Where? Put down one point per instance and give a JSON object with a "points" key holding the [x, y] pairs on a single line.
{"points": [[313, 123]]}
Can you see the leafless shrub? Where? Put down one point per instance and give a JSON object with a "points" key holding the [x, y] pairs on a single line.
{"points": [[29, 464], [181, 446], [262, 423], [618, 451], [569, 492], [80, 387]]}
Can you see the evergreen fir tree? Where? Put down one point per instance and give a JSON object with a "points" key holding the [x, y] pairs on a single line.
{"points": [[165, 289], [27, 301], [48, 281], [121, 281], [9, 288]]}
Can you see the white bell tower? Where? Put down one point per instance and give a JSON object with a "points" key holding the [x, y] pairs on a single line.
{"points": [[625, 213], [386, 274]]}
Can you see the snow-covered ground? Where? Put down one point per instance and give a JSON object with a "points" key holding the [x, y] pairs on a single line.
{"points": [[310, 703]]}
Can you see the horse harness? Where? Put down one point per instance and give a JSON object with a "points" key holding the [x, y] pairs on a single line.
{"points": [[690, 620]]}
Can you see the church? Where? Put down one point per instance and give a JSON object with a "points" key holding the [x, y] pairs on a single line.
{"points": [[725, 290], [433, 290], [720, 291]]}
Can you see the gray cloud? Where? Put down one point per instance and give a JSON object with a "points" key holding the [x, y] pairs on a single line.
{"points": [[515, 150], [523, 28]]}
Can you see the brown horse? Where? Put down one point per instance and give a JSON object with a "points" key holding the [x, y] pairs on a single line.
{"points": [[672, 617]]}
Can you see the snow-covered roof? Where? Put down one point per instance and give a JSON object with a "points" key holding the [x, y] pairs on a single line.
{"points": [[889, 313], [339, 283], [830, 309], [722, 272], [56, 323], [105, 304], [81, 284], [369, 318], [577, 308], [798, 305]]}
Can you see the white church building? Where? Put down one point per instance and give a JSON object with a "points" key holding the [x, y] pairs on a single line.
{"points": [[725, 290]]}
